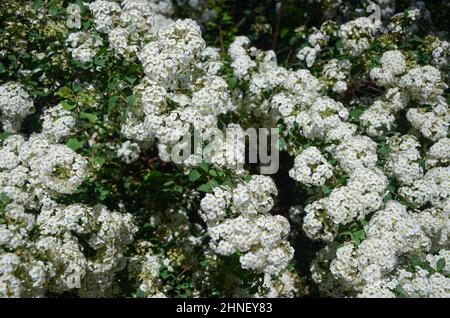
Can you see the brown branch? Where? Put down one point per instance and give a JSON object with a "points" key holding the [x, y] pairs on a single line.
{"points": [[278, 26]]}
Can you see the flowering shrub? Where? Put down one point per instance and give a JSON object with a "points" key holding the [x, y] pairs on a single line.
{"points": [[100, 101]]}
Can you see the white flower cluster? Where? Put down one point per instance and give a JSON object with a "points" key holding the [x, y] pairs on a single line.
{"points": [[84, 46], [311, 168], [35, 170], [129, 152], [433, 188], [238, 220], [335, 73], [393, 64], [317, 40], [15, 105], [242, 62], [423, 83], [56, 259], [177, 47], [129, 24], [357, 35], [370, 269], [441, 53], [362, 195], [403, 159], [146, 265], [433, 124], [58, 123], [439, 153]]}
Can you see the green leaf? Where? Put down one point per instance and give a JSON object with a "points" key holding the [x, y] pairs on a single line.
{"points": [[205, 188], [90, 117], [213, 173], [131, 80], [53, 10], [360, 234], [131, 100], [194, 175], [227, 184], [65, 92], [204, 166], [100, 160], [140, 294], [112, 101], [356, 113], [282, 144], [440, 265], [214, 183], [232, 82], [37, 4], [165, 274], [415, 261], [400, 292], [68, 106], [74, 144], [326, 190], [100, 61], [4, 135], [284, 33]]}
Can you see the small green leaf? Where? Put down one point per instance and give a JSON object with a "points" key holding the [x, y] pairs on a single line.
{"points": [[356, 113], [360, 234], [68, 106], [90, 117], [227, 184], [100, 160], [131, 80], [204, 166], [112, 102], [53, 10], [440, 265], [99, 62], [37, 4], [74, 144], [4, 135], [130, 100], [400, 292], [415, 260], [232, 82], [194, 176], [205, 188], [214, 183], [326, 190], [213, 173]]}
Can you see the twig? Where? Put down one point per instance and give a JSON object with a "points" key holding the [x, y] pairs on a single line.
{"points": [[240, 23], [278, 26]]}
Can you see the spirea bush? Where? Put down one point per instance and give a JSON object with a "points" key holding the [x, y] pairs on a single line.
{"points": [[97, 98]]}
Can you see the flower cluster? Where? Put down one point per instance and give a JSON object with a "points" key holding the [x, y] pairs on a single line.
{"points": [[238, 221], [36, 170], [15, 105]]}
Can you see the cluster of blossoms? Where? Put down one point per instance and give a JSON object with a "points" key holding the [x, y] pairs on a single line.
{"points": [[59, 258], [37, 169], [406, 91], [58, 123], [238, 220], [129, 152], [311, 168], [362, 195], [44, 252], [364, 127], [15, 105], [377, 266]]}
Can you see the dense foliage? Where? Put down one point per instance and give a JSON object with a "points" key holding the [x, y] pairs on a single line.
{"points": [[95, 97]]}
